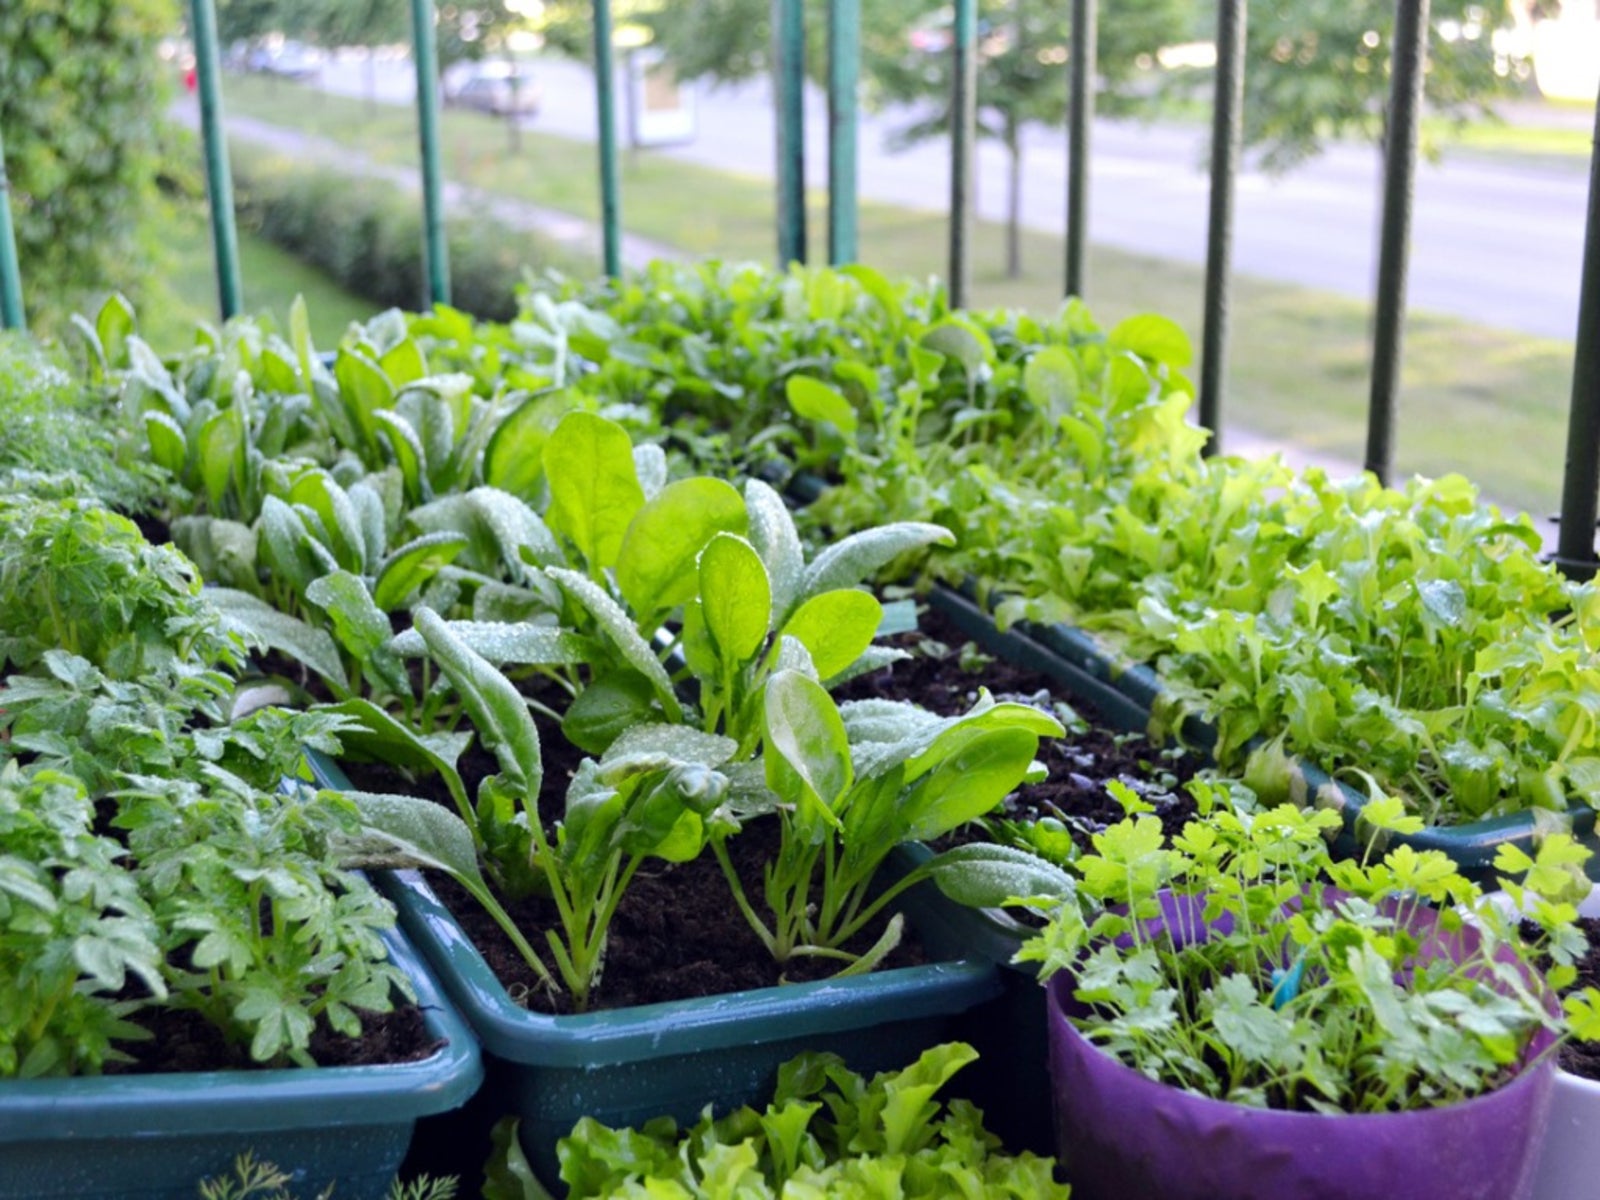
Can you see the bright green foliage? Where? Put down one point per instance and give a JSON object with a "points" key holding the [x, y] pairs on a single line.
{"points": [[55, 430], [73, 927], [848, 787], [827, 1132], [81, 101], [648, 797], [245, 886], [1239, 962]]}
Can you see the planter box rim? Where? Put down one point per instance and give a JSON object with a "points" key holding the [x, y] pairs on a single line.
{"points": [[671, 1028], [253, 1101]]}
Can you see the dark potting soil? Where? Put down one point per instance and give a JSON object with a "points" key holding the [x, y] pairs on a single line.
{"points": [[1583, 1058], [676, 935], [184, 1041], [1080, 764]]}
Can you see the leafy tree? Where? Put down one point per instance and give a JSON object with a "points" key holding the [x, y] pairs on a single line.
{"points": [[1319, 69], [82, 92]]}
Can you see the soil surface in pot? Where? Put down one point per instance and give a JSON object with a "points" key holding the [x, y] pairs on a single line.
{"points": [[940, 677], [677, 934], [184, 1041], [1583, 1058]]}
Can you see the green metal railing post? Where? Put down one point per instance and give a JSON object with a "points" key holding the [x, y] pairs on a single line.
{"points": [[1575, 547], [788, 104], [1080, 118], [12, 315], [436, 248], [844, 74], [605, 87], [1226, 131], [1394, 249], [963, 134], [219, 180]]}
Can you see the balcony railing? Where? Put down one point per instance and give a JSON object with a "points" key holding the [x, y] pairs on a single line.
{"points": [[1575, 550]]}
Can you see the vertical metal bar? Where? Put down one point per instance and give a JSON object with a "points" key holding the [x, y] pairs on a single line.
{"points": [[1394, 248], [788, 104], [1080, 118], [1575, 548], [1226, 123], [844, 73], [12, 315], [219, 180], [963, 132], [436, 250], [605, 107]]}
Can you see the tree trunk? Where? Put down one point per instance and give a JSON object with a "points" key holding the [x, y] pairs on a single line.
{"points": [[1013, 143]]}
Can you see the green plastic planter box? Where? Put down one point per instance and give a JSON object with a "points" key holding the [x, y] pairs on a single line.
{"points": [[1472, 846], [155, 1137], [627, 1065]]}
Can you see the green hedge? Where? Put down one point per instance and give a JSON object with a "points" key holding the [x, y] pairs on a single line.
{"points": [[367, 234]]}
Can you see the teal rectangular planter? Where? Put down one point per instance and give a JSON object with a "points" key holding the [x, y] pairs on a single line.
{"points": [[625, 1066], [155, 1137]]}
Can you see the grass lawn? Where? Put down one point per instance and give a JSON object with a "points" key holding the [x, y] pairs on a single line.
{"points": [[1299, 358], [272, 279]]}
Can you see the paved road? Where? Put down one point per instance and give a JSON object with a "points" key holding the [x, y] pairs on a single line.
{"points": [[1495, 242]]}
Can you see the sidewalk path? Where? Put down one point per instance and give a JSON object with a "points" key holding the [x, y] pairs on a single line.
{"points": [[570, 232]]}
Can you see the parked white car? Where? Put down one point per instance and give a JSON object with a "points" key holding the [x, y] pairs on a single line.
{"points": [[494, 87]]}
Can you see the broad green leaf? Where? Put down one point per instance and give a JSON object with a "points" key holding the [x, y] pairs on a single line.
{"points": [[262, 625], [594, 489], [614, 703], [409, 455], [836, 627], [961, 342], [413, 832], [773, 534], [317, 491], [114, 323], [1150, 336], [513, 460], [168, 447], [807, 752], [361, 627], [515, 530], [363, 390], [217, 447], [403, 363], [650, 464], [530, 645], [985, 875], [405, 571], [498, 711], [378, 736], [680, 742], [735, 598], [435, 424], [859, 556], [508, 1175], [616, 627], [818, 401], [367, 501], [656, 565], [224, 551], [1051, 380], [969, 780]]}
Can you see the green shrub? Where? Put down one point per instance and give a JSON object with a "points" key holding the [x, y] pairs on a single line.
{"points": [[369, 238]]}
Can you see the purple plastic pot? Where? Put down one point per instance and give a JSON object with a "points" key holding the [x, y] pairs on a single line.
{"points": [[1123, 1135]]}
